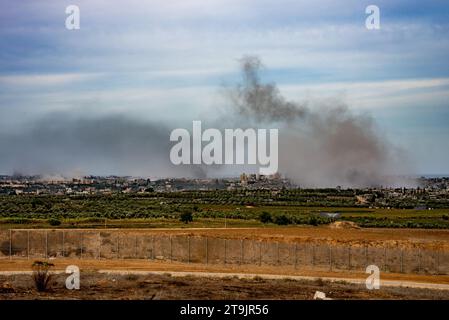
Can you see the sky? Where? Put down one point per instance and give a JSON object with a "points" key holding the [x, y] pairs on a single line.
{"points": [[165, 62]]}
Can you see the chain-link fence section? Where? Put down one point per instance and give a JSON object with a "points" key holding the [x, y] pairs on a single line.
{"points": [[117, 244]]}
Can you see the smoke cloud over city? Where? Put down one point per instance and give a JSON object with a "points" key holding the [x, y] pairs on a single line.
{"points": [[74, 146], [319, 145]]}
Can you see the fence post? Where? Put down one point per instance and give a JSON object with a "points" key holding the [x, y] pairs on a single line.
{"points": [[349, 258], [63, 239], [118, 246], [81, 245], [366, 256], [171, 249], [385, 259], [438, 261], [277, 253], [224, 251], [135, 247], [207, 251], [313, 255], [10, 244], [330, 258], [46, 244], [28, 244], [152, 247], [188, 249], [99, 246], [402, 260], [419, 260], [241, 251], [260, 253], [296, 255]]}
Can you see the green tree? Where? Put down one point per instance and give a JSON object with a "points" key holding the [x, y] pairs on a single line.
{"points": [[186, 217], [265, 217], [282, 220], [54, 222], [313, 221]]}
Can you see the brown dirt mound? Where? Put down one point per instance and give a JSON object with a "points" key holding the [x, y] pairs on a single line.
{"points": [[344, 225]]}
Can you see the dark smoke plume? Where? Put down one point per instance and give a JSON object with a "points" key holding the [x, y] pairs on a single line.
{"points": [[261, 101], [319, 145]]}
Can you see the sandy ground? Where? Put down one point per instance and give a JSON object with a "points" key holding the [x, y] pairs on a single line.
{"points": [[305, 232], [19, 266], [426, 238], [113, 285]]}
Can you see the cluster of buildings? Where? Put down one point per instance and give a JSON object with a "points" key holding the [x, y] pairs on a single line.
{"points": [[431, 188], [36, 185], [420, 198]]}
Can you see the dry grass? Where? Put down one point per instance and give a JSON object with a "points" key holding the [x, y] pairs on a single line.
{"points": [[113, 286]]}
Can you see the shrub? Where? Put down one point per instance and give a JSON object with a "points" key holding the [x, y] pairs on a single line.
{"points": [[313, 220], [54, 222], [41, 274], [265, 217], [186, 217], [282, 220], [320, 282]]}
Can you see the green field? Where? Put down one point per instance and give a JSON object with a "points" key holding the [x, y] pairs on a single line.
{"points": [[210, 209]]}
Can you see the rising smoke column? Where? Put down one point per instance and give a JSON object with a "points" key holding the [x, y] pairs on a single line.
{"points": [[319, 145], [262, 102]]}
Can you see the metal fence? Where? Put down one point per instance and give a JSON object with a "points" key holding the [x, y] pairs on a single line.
{"points": [[117, 244]]}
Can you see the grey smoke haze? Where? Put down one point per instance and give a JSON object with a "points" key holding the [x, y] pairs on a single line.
{"points": [[74, 146], [320, 145]]}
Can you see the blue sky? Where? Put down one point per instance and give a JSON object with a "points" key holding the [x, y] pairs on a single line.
{"points": [[166, 60]]}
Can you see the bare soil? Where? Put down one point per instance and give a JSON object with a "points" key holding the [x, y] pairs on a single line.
{"points": [[139, 265], [405, 238], [434, 238], [96, 285]]}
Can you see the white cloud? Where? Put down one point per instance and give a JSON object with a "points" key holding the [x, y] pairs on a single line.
{"points": [[375, 94], [39, 80]]}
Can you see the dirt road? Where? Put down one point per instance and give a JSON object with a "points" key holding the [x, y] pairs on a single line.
{"points": [[9, 267]]}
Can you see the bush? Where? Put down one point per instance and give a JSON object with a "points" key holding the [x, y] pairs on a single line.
{"points": [[54, 222], [41, 274], [265, 217], [282, 220], [186, 217], [313, 221]]}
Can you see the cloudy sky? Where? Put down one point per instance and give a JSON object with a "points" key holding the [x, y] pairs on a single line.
{"points": [[165, 61]]}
